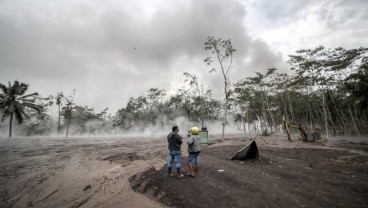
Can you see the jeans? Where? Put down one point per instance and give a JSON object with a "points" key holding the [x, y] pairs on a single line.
{"points": [[196, 158], [174, 156]]}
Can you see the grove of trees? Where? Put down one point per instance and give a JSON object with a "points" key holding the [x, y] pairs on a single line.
{"points": [[326, 91]]}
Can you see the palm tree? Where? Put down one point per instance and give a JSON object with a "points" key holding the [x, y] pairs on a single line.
{"points": [[13, 101]]}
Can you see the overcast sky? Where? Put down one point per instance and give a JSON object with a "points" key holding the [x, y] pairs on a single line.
{"points": [[112, 50]]}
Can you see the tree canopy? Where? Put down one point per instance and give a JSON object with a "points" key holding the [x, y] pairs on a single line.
{"points": [[326, 91]]}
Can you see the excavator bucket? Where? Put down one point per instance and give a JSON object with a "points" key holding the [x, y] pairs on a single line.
{"points": [[249, 151]]}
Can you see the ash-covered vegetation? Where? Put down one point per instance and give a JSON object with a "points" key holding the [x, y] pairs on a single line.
{"points": [[326, 90]]}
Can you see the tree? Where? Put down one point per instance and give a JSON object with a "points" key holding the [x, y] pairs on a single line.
{"points": [[241, 101], [68, 108], [38, 123], [87, 120], [199, 97], [336, 76], [309, 63], [253, 98], [14, 102], [59, 101], [221, 51], [134, 114], [356, 83], [155, 105]]}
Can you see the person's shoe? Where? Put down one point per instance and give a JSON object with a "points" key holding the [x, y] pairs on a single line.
{"points": [[180, 176], [170, 175], [196, 169], [190, 174]]}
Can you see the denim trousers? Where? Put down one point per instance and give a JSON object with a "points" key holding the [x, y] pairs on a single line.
{"points": [[174, 156], [194, 156]]}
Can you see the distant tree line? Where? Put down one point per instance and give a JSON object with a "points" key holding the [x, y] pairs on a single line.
{"points": [[328, 91]]}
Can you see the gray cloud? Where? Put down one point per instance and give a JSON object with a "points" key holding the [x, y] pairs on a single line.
{"points": [[110, 51]]}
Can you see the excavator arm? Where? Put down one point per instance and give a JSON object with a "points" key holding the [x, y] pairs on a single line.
{"points": [[301, 129]]}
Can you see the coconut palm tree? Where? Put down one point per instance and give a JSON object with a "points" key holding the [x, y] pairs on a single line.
{"points": [[14, 102]]}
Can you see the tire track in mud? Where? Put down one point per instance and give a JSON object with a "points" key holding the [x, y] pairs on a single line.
{"points": [[21, 177], [115, 190], [58, 178]]}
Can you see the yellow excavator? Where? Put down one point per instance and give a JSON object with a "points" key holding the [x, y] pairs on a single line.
{"points": [[301, 129]]}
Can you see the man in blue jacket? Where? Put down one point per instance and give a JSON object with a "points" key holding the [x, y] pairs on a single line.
{"points": [[175, 141]]}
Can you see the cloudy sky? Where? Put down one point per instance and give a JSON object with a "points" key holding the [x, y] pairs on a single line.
{"points": [[112, 50]]}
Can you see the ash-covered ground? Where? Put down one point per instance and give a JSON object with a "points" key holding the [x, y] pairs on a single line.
{"points": [[130, 171]]}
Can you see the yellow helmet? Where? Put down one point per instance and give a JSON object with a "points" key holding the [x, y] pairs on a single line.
{"points": [[195, 130]]}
